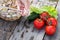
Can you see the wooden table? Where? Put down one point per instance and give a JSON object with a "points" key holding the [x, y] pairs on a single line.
{"points": [[23, 30]]}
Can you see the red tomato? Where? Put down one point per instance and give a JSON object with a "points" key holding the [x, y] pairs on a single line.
{"points": [[44, 15], [50, 30], [52, 21], [38, 23]]}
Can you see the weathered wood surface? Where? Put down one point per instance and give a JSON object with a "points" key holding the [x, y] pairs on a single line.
{"points": [[27, 32], [23, 30], [6, 29]]}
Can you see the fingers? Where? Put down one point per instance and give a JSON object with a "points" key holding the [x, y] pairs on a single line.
{"points": [[24, 6], [25, 12]]}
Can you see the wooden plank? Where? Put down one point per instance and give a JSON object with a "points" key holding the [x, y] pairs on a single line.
{"points": [[56, 36], [18, 30], [6, 29], [27, 30]]}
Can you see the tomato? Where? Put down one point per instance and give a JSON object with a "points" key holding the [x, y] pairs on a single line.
{"points": [[51, 21], [38, 23], [44, 15], [50, 30]]}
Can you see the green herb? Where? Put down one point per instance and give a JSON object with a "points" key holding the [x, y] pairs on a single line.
{"points": [[33, 16], [50, 9]]}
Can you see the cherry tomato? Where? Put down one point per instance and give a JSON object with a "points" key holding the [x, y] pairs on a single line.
{"points": [[38, 23], [51, 21], [50, 30], [44, 15]]}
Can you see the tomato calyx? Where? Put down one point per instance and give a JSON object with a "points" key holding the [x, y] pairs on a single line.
{"points": [[39, 20], [51, 21], [44, 15]]}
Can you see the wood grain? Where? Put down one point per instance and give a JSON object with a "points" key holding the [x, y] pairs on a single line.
{"points": [[6, 29], [23, 30]]}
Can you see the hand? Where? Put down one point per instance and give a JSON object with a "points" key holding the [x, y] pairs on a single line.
{"points": [[25, 12], [24, 6]]}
